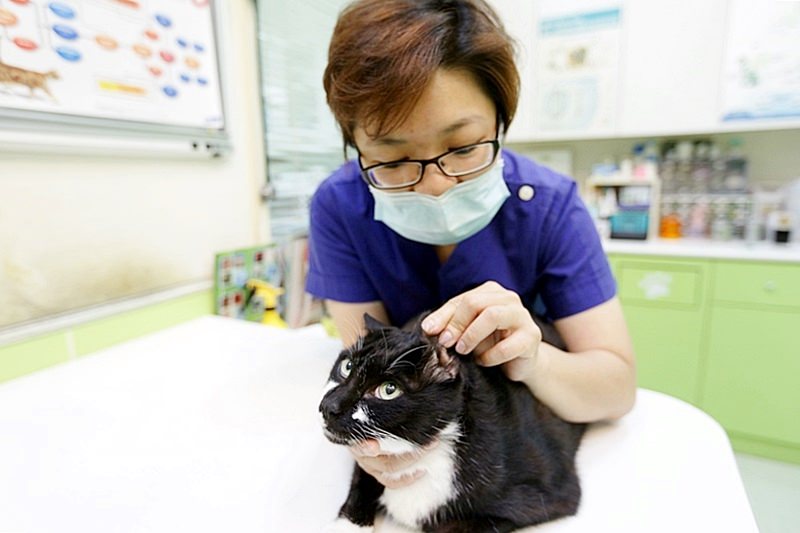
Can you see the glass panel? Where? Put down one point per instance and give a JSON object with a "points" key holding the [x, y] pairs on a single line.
{"points": [[303, 143]]}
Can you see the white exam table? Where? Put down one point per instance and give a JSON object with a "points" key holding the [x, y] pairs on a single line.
{"points": [[212, 426]]}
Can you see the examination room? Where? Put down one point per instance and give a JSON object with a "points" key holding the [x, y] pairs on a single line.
{"points": [[453, 266]]}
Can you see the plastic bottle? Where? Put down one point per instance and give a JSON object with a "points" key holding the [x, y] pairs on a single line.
{"points": [[701, 167], [717, 180], [720, 226], [639, 170], [683, 173], [736, 179], [650, 160], [667, 170]]}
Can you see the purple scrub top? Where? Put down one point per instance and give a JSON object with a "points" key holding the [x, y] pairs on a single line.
{"points": [[542, 244]]}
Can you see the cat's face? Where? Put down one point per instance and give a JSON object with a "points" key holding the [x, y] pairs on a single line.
{"points": [[396, 386]]}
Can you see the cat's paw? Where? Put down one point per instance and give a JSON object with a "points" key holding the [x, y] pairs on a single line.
{"points": [[343, 525]]}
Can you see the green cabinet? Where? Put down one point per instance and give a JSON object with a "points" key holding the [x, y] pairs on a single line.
{"points": [[752, 378], [664, 304], [724, 335]]}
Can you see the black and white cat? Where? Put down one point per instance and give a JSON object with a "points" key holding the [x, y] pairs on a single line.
{"points": [[504, 460]]}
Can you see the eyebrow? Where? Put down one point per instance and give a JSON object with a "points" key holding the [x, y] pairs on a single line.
{"points": [[455, 126]]}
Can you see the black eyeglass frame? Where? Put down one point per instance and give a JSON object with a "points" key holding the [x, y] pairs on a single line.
{"points": [[424, 163]]}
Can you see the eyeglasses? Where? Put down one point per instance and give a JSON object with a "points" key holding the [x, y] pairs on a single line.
{"points": [[455, 163]]}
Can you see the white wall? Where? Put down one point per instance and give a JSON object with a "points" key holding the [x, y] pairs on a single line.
{"points": [[83, 229]]}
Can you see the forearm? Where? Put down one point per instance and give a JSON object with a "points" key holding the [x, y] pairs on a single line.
{"points": [[349, 318], [587, 386]]}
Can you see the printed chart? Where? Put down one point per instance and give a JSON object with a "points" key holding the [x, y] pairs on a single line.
{"points": [[761, 69], [578, 54], [150, 61]]}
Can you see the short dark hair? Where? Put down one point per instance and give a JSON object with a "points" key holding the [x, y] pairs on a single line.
{"points": [[384, 53]]}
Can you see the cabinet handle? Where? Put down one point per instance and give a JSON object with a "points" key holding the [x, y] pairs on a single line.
{"points": [[770, 286]]}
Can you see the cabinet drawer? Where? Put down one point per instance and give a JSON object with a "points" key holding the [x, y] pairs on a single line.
{"points": [[758, 283], [660, 283]]}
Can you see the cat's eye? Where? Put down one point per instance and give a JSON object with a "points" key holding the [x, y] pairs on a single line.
{"points": [[345, 367], [388, 390]]}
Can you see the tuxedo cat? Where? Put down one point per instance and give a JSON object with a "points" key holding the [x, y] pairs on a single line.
{"points": [[504, 460]]}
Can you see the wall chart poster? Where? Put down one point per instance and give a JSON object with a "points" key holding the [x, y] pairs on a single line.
{"points": [[150, 61], [577, 57], [761, 77]]}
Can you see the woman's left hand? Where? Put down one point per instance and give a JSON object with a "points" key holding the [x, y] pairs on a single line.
{"points": [[491, 322]]}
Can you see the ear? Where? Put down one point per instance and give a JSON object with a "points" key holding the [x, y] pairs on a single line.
{"points": [[446, 365], [415, 324], [373, 324]]}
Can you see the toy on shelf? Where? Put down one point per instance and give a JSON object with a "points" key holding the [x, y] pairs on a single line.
{"points": [[266, 284], [263, 299], [233, 271]]}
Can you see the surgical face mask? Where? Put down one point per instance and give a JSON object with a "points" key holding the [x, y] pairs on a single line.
{"points": [[459, 213]]}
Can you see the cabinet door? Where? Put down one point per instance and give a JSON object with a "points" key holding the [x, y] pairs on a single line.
{"points": [[667, 344], [752, 383], [663, 302]]}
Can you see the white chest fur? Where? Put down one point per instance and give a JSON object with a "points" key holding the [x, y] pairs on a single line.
{"points": [[409, 505]]}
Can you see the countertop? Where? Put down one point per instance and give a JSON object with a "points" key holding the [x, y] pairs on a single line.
{"points": [[212, 426], [706, 249]]}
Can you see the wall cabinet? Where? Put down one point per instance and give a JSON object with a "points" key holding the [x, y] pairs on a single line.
{"points": [[723, 335], [653, 69]]}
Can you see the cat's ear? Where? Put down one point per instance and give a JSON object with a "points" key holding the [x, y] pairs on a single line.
{"points": [[415, 324], [444, 365], [372, 323]]}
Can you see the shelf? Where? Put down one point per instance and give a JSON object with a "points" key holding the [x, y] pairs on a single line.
{"points": [[703, 248]]}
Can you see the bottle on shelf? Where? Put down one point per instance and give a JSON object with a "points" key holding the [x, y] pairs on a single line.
{"points": [[735, 178]]}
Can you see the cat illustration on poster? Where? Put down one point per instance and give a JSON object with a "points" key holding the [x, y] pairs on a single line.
{"points": [[31, 79]]}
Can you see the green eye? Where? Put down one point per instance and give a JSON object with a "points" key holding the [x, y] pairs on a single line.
{"points": [[388, 390], [345, 367]]}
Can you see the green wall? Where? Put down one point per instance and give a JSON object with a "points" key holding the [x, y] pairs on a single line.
{"points": [[59, 347]]}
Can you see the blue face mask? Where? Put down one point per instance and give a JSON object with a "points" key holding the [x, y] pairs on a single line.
{"points": [[459, 213]]}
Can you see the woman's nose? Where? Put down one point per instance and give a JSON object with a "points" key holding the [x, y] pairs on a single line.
{"points": [[434, 182]]}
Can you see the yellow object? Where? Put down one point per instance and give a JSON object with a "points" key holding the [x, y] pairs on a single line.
{"points": [[268, 294], [670, 227], [330, 327]]}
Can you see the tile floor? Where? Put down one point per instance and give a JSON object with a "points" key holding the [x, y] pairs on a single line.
{"points": [[774, 491]]}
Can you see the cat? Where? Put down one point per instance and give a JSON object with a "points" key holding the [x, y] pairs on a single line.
{"points": [[31, 79], [504, 460]]}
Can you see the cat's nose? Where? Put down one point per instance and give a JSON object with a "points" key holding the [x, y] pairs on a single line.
{"points": [[331, 407]]}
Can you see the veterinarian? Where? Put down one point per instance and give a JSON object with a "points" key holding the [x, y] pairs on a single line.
{"points": [[435, 214]]}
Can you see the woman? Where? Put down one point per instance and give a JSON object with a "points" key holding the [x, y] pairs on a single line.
{"points": [[434, 215]]}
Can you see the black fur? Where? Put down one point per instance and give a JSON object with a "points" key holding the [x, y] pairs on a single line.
{"points": [[515, 461]]}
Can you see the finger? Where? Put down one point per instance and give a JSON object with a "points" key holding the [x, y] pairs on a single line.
{"points": [[486, 344], [471, 304], [437, 320], [394, 481], [388, 463], [489, 320], [515, 346], [382, 464], [388, 473], [366, 448]]}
